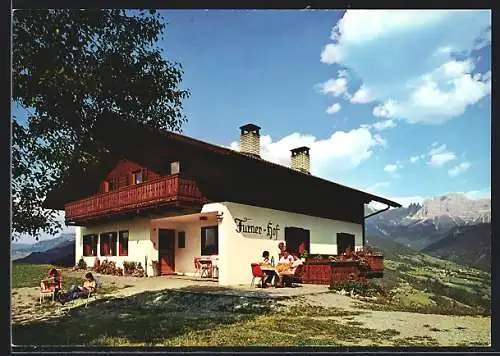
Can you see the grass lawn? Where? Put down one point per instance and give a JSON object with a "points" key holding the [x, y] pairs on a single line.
{"points": [[30, 275], [173, 318]]}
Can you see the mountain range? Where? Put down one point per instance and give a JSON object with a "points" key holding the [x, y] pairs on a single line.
{"points": [[420, 225], [449, 226], [45, 251]]}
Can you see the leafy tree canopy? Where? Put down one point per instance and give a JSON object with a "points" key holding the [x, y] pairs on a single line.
{"points": [[70, 69]]}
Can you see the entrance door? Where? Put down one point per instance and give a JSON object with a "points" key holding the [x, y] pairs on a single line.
{"points": [[166, 251], [297, 240], [344, 241]]}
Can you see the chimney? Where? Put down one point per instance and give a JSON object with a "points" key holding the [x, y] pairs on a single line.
{"points": [[300, 160], [250, 140]]}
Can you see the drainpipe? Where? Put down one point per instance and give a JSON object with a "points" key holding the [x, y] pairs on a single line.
{"points": [[370, 215]]}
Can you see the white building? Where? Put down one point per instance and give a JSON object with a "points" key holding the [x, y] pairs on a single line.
{"points": [[170, 198]]}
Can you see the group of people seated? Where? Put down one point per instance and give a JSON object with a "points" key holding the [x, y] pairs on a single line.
{"points": [[53, 281], [286, 266]]}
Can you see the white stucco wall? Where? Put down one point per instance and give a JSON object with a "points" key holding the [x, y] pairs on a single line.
{"points": [[140, 244], [184, 257], [238, 250]]}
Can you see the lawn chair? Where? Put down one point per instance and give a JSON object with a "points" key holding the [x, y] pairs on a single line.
{"points": [[197, 267], [257, 273], [83, 300], [50, 288], [296, 277]]}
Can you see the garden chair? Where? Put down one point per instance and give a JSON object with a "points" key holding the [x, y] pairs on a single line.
{"points": [[256, 273], [83, 300], [49, 288]]}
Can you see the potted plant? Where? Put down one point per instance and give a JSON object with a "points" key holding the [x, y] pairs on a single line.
{"points": [[156, 268]]}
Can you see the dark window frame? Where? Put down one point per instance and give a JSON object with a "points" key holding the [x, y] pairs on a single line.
{"points": [[138, 173], [113, 243], [181, 239], [90, 239], [121, 244], [213, 249]]}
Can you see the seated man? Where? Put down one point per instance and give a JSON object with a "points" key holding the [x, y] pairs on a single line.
{"points": [[287, 263], [268, 274], [75, 292]]}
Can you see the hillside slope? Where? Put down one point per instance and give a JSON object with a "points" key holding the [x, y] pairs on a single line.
{"points": [[468, 245]]}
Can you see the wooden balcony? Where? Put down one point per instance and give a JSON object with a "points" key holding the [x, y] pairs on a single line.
{"points": [[149, 194]]}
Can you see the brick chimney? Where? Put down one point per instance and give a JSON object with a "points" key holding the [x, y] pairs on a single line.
{"points": [[250, 140], [301, 160]]}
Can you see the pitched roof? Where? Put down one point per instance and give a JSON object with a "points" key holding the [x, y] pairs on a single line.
{"points": [[222, 174]]}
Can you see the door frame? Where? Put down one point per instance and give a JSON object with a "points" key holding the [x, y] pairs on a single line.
{"points": [[173, 250]]}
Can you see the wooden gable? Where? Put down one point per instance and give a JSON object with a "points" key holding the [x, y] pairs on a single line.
{"points": [[123, 175]]}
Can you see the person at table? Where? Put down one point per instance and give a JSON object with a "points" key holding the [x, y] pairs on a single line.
{"points": [[268, 274], [265, 258], [286, 257]]}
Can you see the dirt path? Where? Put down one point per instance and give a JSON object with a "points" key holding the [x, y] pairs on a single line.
{"points": [[443, 330]]}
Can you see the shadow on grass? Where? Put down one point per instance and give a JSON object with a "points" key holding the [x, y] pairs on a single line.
{"points": [[147, 318]]}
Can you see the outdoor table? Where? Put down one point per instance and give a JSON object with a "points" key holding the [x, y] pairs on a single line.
{"points": [[211, 263], [269, 270]]}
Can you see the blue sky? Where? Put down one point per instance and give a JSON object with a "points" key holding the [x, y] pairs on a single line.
{"points": [[397, 103], [393, 102]]}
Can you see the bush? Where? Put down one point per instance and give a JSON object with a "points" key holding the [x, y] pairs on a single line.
{"points": [[129, 267], [362, 288], [81, 264]]}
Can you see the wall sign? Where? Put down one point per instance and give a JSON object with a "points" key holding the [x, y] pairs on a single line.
{"points": [[270, 230]]}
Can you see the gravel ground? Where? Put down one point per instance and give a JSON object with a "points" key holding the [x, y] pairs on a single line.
{"points": [[445, 330]]}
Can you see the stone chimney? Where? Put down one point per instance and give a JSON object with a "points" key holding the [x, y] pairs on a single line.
{"points": [[250, 140], [300, 160]]}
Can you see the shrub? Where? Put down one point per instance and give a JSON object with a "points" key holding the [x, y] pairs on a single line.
{"points": [[362, 288], [129, 267], [81, 264], [156, 267]]}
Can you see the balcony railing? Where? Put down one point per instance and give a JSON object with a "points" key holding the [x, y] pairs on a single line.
{"points": [[148, 194]]}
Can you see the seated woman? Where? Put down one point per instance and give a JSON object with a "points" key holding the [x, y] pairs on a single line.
{"points": [[52, 281], [265, 258], [75, 292]]}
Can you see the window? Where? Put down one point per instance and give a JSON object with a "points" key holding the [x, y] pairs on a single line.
{"points": [[345, 241], [108, 244], [123, 243], [181, 239], [137, 177], [209, 240], [175, 167], [90, 245]]}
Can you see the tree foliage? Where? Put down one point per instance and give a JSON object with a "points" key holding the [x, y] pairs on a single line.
{"points": [[70, 69]]}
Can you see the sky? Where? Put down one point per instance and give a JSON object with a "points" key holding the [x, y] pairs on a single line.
{"points": [[393, 102], [396, 103]]}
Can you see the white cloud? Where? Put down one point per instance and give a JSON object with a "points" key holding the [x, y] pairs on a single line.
{"points": [[362, 96], [335, 108], [377, 187], [331, 53], [408, 60], [336, 87], [459, 169], [341, 151], [484, 193], [382, 125], [439, 155], [439, 159], [415, 159], [391, 168]]}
